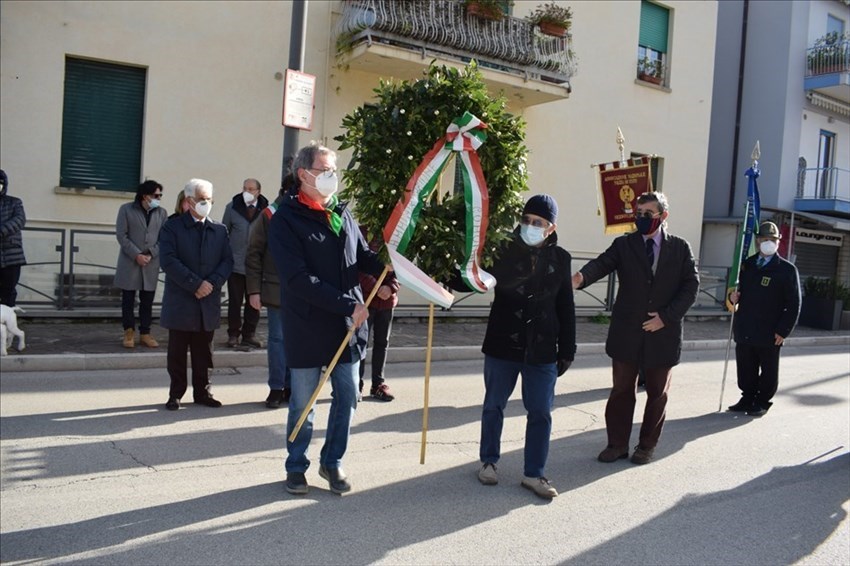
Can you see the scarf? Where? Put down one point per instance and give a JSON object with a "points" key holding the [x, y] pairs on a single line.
{"points": [[334, 219]]}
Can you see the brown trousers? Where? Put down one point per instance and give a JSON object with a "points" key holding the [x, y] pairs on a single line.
{"points": [[620, 409]]}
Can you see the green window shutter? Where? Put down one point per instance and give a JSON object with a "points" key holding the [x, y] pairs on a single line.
{"points": [[654, 21], [102, 125]]}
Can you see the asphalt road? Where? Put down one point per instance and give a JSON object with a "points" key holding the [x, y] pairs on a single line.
{"points": [[94, 470]]}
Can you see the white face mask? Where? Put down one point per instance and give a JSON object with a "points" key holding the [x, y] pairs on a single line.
{"points": [[532, 235], [203, 208], [248, 197], [326, 183], [768, 247]]}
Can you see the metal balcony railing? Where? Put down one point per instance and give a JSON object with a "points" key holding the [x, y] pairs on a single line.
{"points": [[823, 183], [443, 27], [831, 56]]}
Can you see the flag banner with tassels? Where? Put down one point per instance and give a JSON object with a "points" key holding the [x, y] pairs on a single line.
{"points": [[744, 243], [464, 136], [619, 186]]}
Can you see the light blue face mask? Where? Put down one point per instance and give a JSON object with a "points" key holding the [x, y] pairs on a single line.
{"points": [[532, 235], [154, 203]]}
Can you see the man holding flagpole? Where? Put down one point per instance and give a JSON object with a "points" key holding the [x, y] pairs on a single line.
{"points": [[768, 300], [318, 251], [658, 284], [531, 331]]}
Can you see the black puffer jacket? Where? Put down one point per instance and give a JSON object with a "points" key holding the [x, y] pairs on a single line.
{"points": [[532, 319], [12, 221]]}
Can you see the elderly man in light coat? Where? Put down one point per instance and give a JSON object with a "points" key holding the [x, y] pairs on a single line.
{"points": [[137, 229]]}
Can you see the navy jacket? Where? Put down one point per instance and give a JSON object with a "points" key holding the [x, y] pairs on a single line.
{"points": [[769, 302], [319, 285], [12, 221], [670, 293], [189, 254], [533, 318]]}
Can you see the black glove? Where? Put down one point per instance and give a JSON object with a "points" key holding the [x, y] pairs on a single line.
{"points": [[563, 366]]}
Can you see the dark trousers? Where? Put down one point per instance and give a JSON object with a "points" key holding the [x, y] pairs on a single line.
{"points": [[200, 345], [9, 277], [380, 326], [758, 372], [620, 409], [128, 303], [235, 297]]}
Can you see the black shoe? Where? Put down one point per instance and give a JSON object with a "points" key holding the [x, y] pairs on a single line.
{"points": [[232, 341], [757, 411], [275, 399], [741, 406], [287, 393], [251, 341], [296, 483], [336, 478], [173, 404], [208, 401], [381, 393]]}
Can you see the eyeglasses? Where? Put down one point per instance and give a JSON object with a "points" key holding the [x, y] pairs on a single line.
{"points": [[647, 214], [536, 222], [325, 171]]}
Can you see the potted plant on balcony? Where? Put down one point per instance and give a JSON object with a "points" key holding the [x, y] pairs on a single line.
{"points": [[487, 9], [828, 55], [823, 300], [552, 19], [651, 70]]}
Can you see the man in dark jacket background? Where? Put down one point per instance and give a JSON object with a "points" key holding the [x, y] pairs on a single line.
{"points": [[12, 221], [196, 258], [242, 212], [318, 251], [658, 283], [531, 331], [768, 300]]}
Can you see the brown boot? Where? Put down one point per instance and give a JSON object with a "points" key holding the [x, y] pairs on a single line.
{"points": [[147, 340], [129, 338]]}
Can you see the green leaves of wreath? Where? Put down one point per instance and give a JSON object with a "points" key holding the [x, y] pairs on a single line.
{"points": [[390, 137]]}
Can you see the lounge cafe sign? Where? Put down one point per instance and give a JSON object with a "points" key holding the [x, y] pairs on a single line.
{"points": [[818, 237]]}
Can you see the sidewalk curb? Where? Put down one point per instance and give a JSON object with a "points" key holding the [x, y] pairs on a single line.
{"points": [[257, 358]]}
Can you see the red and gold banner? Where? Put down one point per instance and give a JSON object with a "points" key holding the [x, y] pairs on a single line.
{"points": [[620, 186]]}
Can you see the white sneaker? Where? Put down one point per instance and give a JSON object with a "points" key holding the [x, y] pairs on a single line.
{"points": [[540, 486], [487, 474]]}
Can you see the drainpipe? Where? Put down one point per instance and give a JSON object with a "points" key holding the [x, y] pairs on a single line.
{"points": [[297, 33], [736, 140]]}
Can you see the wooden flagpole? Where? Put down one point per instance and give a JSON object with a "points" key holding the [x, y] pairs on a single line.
{"points": [[334, 361], [427, 382]]}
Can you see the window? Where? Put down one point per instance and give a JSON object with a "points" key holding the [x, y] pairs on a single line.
{"points": [[652, 42], [102, 123], [834, 25], [826, 173]]}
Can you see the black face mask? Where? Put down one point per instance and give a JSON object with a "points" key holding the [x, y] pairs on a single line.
{"points": [[647, 225]]}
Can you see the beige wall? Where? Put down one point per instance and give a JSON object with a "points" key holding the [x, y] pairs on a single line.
{"points": [[214, 105]]}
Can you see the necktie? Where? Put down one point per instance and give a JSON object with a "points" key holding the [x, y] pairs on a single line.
{"points": [[760, 262], [650, 251]]}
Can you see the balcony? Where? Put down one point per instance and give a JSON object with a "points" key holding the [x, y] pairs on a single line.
{"points": [[827, 80], [401, 39], [824, 191]]}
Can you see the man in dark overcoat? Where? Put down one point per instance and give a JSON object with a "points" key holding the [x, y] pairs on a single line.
{"points": [[768, 305], [318, 250], [196, 258], [658, 283]]}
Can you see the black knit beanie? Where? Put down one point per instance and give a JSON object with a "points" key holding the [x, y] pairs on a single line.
{"points": [[543, 206]]}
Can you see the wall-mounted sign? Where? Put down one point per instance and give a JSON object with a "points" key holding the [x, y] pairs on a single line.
{"points": [[818, 237], [298, 94]]}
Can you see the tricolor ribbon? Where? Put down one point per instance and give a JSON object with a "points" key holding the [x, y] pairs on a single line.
{"points": [[463, 136]]}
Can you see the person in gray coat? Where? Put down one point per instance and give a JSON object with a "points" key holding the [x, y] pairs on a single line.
{"points": [[137, 230], [658, 283], [239, 215], [196, 258], [12, 220]]}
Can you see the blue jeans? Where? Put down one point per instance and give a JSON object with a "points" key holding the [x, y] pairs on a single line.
{"points": [[343, 379], [279, 374], [538, 394]]}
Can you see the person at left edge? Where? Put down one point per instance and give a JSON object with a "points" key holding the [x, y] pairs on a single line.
{"points": [[12, 221], [137, 229], [196, 258], [239, 215], [318, 251]]}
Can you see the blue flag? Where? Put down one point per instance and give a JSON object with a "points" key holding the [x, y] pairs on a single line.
{"points": [[745, 241]]}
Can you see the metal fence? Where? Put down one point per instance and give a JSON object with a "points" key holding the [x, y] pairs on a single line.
{"points": [[823, 183]]}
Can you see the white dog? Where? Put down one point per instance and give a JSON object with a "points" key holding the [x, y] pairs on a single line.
{"points": [[9, 329]]}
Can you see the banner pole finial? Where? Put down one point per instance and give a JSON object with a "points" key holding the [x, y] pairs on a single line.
{"points": [[756, 155], [621, 143]]}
